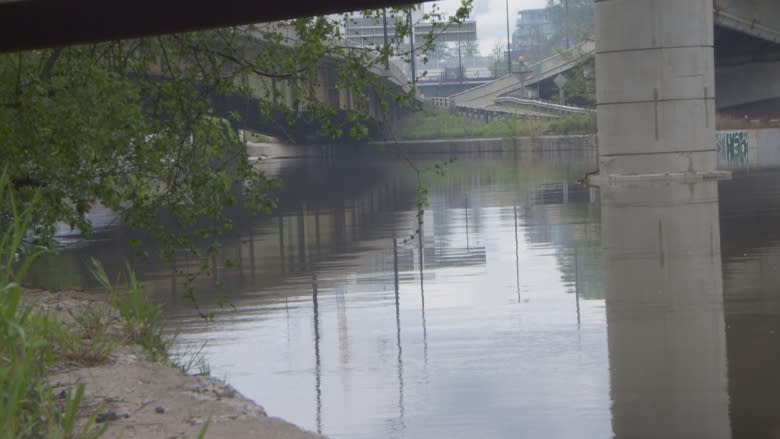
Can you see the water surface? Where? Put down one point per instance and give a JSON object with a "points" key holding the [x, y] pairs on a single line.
{"points": [[527, 306]]}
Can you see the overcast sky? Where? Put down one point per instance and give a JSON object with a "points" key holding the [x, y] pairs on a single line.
{"points": [[491, 18]]}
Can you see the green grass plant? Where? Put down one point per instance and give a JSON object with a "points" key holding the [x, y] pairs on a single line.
{"points": [[430, 123], [28, 406], [32, 341], [140, 317]]}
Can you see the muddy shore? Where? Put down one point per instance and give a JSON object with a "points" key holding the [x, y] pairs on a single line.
{"points": [[136, 398]]}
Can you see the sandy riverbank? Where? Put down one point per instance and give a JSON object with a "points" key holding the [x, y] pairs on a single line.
{"points": [[141, 399]]}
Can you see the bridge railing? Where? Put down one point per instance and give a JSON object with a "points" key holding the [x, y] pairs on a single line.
{"points": [[444, 102], [542, 105], [439, 76]]}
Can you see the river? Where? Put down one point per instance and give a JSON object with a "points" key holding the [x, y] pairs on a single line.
{"points": [[525, 305]]}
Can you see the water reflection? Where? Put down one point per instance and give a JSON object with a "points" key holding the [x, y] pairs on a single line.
{"points": [[750, 214], [665, 320], [470, 329], [528, 306]]}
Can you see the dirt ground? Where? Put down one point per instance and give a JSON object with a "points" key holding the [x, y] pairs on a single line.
{"points": [[140, 399]]}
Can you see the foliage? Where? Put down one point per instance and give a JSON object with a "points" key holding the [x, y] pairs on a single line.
{"points": [[30, 341], [28, 406], [470, 48], [573, 20], [441, 51], [499, 66], [579, 123], [147, 127], [580, 86], [140, 317]]}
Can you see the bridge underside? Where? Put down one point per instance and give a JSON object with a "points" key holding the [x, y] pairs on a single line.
{"points": [[33, 24], [446, 89], [747, 68]]}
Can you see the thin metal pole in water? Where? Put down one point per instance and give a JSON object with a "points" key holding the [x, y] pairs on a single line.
{"points": [[422, 291], [398, 334], [282, 256], [467, 224], [395, 267], [517, 257], [317, 363], [577, 284]]}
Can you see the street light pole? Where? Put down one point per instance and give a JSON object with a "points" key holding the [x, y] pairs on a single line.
{"points": [[508, 48], [566, 21], [460, 62], [384, 27], [411, 47]]}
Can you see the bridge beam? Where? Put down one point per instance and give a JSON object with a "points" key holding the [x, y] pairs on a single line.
{"points": [[655, 88]]}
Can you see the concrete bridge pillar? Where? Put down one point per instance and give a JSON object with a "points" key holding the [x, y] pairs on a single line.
{"points": [[655, 88]]}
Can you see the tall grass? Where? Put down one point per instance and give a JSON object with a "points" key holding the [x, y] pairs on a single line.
{"points": [[28, 406], [30, 341]]}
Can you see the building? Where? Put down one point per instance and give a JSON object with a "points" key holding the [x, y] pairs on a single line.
{"points": [[370, 31], [533, 31]]}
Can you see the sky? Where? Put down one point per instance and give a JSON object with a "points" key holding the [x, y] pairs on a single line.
{"points": [[491, 18]]}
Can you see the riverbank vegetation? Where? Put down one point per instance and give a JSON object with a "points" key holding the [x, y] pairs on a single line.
{"points": [[430, 123], [36, 340], [148, 127]]}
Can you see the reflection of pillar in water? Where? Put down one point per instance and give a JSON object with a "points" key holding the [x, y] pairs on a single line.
{"points": [[317, 232], [421, 250], [339, 223], [173, 280], [341, 315], [252, 260], [664, 296], [466, 209], [577, 284], [302, 238], [281, 245], [355, 219]]}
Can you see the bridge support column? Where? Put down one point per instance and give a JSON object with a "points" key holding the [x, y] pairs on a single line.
{"points": [[655, 88]]}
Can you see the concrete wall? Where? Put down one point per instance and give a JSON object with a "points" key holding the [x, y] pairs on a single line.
{"points": [[741, 84]]}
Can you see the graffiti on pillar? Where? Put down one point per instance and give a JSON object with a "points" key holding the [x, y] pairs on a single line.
{"points": [[733, 147]]}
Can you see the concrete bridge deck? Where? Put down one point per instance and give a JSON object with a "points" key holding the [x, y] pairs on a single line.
{"points": [[490, 99]]}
